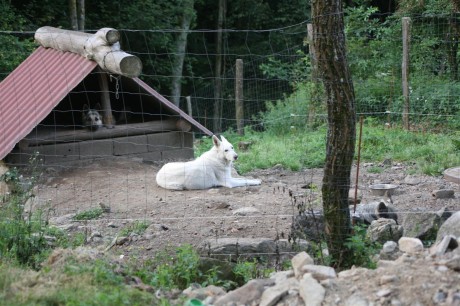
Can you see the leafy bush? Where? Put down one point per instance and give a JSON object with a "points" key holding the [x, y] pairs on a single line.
{"points": [[362, 248], [22, 235], [178, 270]]}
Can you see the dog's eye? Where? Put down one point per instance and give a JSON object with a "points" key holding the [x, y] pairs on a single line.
{"points": [[226, 150]]}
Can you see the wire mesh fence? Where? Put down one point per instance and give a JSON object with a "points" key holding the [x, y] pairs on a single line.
{"points": [[110, 175]]}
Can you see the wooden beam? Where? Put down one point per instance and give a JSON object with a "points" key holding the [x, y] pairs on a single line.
{"points": [[43, 136]]}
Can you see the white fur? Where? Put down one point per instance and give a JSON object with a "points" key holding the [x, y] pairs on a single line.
{"points": [[212, 169]]}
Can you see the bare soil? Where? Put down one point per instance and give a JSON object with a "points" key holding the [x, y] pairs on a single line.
{"points": [[127, 188]]}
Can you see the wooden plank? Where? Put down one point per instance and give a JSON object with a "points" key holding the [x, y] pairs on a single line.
{"points": [[42, 136]]}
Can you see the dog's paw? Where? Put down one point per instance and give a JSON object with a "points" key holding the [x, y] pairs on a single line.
{"points": [[255, 182]]}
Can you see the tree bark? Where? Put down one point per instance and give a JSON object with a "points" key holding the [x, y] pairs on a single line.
{"points": [[81, 15], [218, 69], [329, 44], [181, 45], [73, 15]]}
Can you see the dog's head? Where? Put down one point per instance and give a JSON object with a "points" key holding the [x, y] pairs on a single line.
{"points": [[224, 148], [91, 117]]}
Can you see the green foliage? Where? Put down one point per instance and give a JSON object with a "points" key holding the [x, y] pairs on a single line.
{"points": [[89, 214], [362, 248], [138, 228], [178, 270], [248, 270], [290, 113], [22, 235]]}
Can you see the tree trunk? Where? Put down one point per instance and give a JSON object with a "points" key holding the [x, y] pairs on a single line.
{"points": [[181, 45], [73, 14], [218, 70], [329, 44], [81, 15], [452, 40]]}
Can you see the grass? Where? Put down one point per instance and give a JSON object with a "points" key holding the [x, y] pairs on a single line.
{"points": [[137, 227], [430, 153], [89, 214]]}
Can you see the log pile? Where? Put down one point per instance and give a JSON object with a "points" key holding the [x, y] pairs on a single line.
{"points": [[103, 47]]}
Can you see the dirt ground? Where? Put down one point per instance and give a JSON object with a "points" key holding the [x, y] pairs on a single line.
{"points": [[129, 194], [127, 189]]}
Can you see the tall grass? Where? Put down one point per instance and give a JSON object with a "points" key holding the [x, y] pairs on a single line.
{"points": [[300, 148]]}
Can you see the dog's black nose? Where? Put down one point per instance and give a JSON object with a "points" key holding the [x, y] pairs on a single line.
{"points": [[235, 157]]}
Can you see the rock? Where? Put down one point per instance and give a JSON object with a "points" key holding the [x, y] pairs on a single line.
{"points": [[249, 247], [384, 292], [422, 225], [273, 294], [454, 263], [197, 292], [443, 194], [410, 245], [311, 292], [449, 242], [300, 260], [224, 267], [386, 279], [246, 211], [382, 230], [439, 297], [390, 251], [121, 240], [320, 272], [450, 227], [218, 205], [244, 295], [281, 276], [389, 247], [356, 300], [309, 225], [412, 180], [368, 212]]}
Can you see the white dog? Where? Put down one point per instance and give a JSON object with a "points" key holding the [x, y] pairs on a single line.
{"points": [[212, 169]]}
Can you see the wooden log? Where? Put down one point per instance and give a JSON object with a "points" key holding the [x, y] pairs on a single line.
{"points": [[405, 70], [183, 125], [102, 47], [41, 137], [107, 117], [239, 104]]}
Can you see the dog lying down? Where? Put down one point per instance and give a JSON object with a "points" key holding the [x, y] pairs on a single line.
{"points": [[212, 169]]}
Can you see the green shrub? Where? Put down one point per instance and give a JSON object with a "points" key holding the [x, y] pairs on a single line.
{"points": [[89, 214], [362, 248], [22, 235], [138, 228]]}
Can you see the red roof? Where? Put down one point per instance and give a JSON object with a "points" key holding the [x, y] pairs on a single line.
{"points": [[37, 86], [33, 89]]}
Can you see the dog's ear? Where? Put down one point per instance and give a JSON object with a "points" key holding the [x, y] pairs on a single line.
{"points": [[216, 141], [223, 138], [98, 107], [85, 107]]}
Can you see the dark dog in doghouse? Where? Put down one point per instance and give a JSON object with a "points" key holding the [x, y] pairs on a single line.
{"points": [[91, 117]]}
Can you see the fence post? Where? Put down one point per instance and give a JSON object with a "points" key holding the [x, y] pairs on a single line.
{"points": [[315, 97], [239, 104], [405, 70], [188, 100]]}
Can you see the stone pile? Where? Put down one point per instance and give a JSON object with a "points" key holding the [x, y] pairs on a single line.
{"points": [[407, 274]]}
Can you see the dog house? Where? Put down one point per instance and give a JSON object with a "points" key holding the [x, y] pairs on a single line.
{"points": [[41, 104]]}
